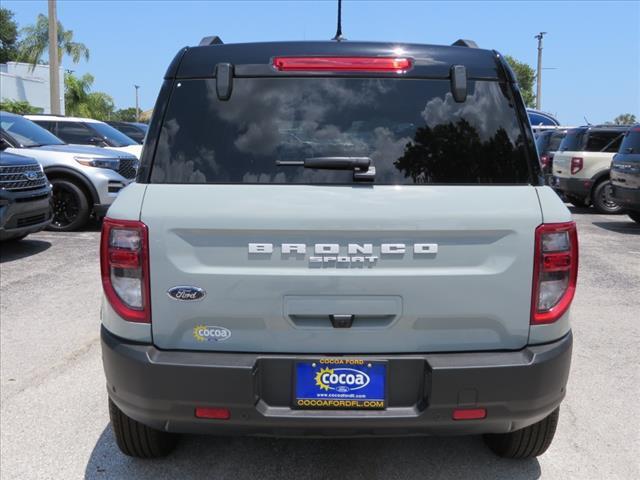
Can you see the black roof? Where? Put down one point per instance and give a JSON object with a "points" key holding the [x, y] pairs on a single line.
{"points": [[254, 59]]}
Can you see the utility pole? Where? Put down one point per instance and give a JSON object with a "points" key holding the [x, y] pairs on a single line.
{"points": [[54, 68], [539, 73], [137, 104]]}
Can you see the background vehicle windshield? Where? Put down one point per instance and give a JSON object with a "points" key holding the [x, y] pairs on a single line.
{"points": [[413, 131], [27, 133], [114, 137]]}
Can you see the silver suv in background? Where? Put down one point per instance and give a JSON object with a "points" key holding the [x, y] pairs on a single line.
{"points": [[86, 180]]}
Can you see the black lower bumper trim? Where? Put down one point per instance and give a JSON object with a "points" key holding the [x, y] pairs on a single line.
{"points": [[162, 388], [578, 187], [626, 197]]}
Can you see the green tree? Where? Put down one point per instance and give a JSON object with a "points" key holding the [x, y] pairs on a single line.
{"points": [[125, 114], [625, 119], [525, 75], [100, 106], [80, 101], [76, 91], [8, 36], [21, 107], [35, 42]]}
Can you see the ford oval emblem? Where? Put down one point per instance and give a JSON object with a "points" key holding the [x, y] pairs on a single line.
{"points": [[31, 175], [186, 293]]}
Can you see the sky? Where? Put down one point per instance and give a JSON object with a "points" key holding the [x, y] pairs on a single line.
{"points": [[591, 56]]}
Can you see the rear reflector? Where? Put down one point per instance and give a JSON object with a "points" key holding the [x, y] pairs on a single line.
{"points": [[469, 413], [213, 413], [341, 64], [555, 271]]}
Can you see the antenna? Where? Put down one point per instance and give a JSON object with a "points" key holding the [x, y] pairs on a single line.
{"points": [[585, 119], [339, 37]]}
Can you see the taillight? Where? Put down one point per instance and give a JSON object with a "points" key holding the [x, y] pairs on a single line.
{"points": [[544, 160], [555, 271], [353, 64], [124, 263], [576, 165]]}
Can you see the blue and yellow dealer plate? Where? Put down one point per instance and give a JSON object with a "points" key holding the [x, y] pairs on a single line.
{"points": [[341, 384]]}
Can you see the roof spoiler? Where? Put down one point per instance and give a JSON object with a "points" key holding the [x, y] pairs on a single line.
{"points": [[464, 43], [212, 40]]}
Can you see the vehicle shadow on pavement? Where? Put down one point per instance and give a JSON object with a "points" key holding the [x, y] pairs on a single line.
{"points": [[12, 250], [629, 228], [240, 458]]}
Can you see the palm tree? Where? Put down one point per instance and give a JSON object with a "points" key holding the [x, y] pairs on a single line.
{"points": [[76, 91], [36, 41]]}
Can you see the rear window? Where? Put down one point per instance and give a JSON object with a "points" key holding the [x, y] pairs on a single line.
{"points": [[412, 130], [591, 141], [542, 142], [555, 141], [631, 141]]}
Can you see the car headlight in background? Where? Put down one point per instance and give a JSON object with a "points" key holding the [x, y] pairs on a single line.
{"points": [[111, 163]]}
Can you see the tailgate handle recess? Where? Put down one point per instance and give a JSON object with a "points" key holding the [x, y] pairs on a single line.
{"points": [[341, 321]]}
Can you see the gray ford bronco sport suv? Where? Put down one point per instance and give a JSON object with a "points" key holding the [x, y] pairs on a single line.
{"points": [[338, 239]]}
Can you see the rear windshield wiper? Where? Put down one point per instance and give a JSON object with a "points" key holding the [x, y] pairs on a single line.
{"points": [[330, 163], [362, 169]]}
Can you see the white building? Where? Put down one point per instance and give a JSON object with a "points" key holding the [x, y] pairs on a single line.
{"points": [[22, 82]]}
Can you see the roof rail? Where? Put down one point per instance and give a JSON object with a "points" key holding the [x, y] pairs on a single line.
{"points": [[464, 43], [212, 40]]}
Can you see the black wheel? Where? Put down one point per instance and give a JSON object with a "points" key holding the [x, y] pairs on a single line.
{"points": [[577, 201], [602, 200], [137, 440], [635, 216], [70, 206], [528, 442]]}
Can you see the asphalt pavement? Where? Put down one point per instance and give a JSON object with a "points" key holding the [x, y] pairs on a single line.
{"points": [[53, 403]]}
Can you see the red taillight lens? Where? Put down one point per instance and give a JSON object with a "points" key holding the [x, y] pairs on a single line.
{"points": [[353, 64], [576, 165], [124, 263], [555, 271]]}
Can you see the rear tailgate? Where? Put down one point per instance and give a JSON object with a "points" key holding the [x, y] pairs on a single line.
{"points": [[473, 293], [562, 163]]}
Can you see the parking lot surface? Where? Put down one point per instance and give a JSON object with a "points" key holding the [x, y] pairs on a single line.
{"points": [[54, 421]]}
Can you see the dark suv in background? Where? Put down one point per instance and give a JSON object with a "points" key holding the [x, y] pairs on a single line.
{"points": [[625, 174], [25, 195], [135, 131], [548, 143]]}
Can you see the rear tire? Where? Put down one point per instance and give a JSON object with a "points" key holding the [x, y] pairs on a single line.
{"points": [[635, 216], [70, 206], [137, 440], [528, 442], [602, 200]]}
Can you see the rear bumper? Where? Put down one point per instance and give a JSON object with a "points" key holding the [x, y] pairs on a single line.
{"points": [[578, 187], [628, 198], [162, 388]]}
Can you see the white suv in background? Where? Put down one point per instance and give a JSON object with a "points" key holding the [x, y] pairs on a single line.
{"points": [[85, 180], [581, 166], [87, 131]]}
